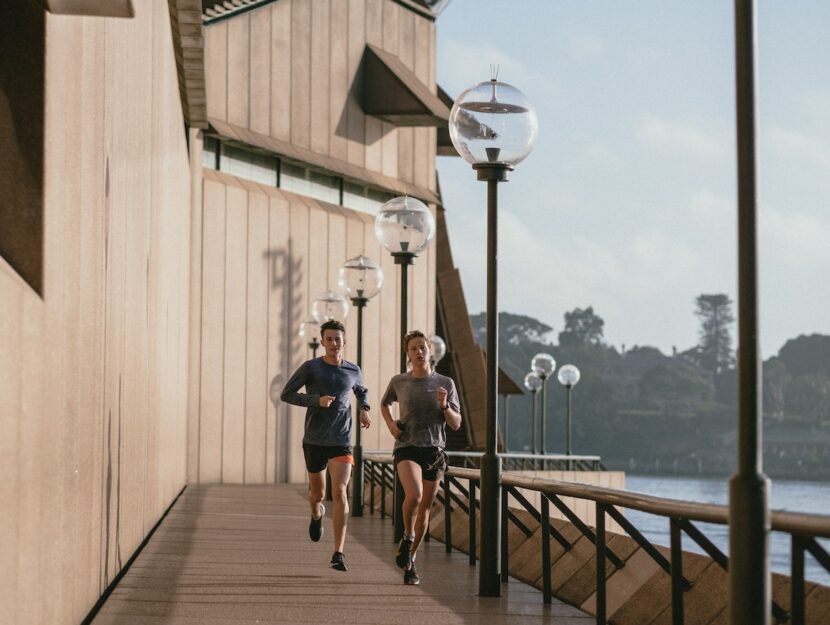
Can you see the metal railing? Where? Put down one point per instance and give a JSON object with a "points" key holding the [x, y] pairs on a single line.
{"points": [[531, 462], [803, 529]]}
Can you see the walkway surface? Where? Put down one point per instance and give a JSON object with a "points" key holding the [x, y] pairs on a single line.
{"points": [[241, 554]]}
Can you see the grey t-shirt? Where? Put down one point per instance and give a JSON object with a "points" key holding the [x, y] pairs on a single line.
{"points": [[422, 420]]}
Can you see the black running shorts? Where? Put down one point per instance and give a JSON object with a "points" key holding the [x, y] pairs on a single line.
{"points": [[318, 456], [432, 460]]}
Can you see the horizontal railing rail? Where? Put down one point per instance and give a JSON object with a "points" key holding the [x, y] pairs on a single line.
{"points": [[804, 529]]}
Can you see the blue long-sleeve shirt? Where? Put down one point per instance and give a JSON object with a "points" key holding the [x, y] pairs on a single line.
{"points": [[330, 426]]}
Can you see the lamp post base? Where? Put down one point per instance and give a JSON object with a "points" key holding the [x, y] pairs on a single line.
{"points": [[489, 577]]}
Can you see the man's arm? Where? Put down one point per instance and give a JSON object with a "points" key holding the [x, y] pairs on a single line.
{"points": [[290, 392]]}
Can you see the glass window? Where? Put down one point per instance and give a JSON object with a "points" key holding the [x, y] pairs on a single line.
{"points": [[209, 153], [298, 179], [364, 199], [246, 164]]}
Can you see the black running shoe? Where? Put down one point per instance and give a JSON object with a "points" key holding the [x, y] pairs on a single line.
{"points": [[315, 528], [410, 576], [404, 556], [338, 561]]}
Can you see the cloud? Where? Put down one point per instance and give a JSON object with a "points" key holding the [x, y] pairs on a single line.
{"points": [[792, 145], [682, 138], [796, 239]]}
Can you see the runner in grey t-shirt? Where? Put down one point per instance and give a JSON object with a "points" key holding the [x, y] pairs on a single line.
{"points": [[428, 403]]}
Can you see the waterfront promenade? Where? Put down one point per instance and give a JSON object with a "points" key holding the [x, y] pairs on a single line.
{"points": [[229, 554]]}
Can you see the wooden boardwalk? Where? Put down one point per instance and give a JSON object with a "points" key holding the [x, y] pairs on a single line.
{"points": [[241, 554]]}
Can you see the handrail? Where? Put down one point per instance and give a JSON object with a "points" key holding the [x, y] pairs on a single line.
{"points": [[804, 528]]}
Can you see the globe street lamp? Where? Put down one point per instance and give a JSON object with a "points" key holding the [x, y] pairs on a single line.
{"points": [[493, 126], [543, 365], [405, 227], [568, 377], [439, 349], [309, 329], [533, 383], [329, 306], [361, 279]]}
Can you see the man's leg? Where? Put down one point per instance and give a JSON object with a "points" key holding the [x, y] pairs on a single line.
{"points": [[316, 492], [409, 473], [430, 490], [340, 472]]}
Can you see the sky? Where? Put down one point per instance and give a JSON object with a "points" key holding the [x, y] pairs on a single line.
{"points": [[628, 202]]}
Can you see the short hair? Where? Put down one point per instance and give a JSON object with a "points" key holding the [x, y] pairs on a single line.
{"points": [[415, 334], [332, 324]]}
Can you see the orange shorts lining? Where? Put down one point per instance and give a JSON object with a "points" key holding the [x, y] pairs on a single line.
{"points": [[349, 459]]}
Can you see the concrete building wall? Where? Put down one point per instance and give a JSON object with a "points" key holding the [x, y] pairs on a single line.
{"points": [[290, 70], [266, 254], [93, 372]]}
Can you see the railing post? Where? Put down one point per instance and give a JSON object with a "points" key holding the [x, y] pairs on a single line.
{"points": [[471, 516], [370, 465], [545, 512], [382, 490], [677, 581], [600, 513], [447, 515], [505, 520], [797, 581]]}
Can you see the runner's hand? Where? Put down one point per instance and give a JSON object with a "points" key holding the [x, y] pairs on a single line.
{"points": [[365, 420], [326, 401], [442, 397], [395, 430]]}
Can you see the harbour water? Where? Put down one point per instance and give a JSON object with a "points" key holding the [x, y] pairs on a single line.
{"points": [[792, 496]]}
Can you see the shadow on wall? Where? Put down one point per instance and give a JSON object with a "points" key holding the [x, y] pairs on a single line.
{"points": [[287, 278]]}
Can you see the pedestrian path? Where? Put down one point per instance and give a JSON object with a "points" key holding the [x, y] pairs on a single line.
{"points": [[228, 554]]}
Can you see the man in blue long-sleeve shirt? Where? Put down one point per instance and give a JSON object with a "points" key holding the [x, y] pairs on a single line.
{"points": [[328, 380]]}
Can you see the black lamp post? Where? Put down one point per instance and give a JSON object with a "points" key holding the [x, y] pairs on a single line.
{"points": [[492, 126], [749, 516], [309, 329], [544, 366], [533, 383], [361, 279], [404, 226], [568, 377]]}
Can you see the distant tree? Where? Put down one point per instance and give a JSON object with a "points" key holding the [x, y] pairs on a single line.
{"points": [[583, 327], [809, 396], [806, 354], [714, 350], [513, 329], [676, 381], [776, 379]]}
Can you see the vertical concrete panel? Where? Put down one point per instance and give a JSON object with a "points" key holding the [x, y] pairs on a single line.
{"points": [[303, 292], [422, 165], [194, 369], [236, 261], [256, 351], [337, 246], [281, 70], [374, 127], [339, 80], [391, 43], [356, 149], [213, 331], [374, 379], [260, 72], [282, 333], [406, 52], [216, 70], [320, 75], [301, 74], [11, 411], [239, 67]]}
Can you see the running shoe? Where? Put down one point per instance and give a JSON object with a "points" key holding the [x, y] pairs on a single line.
{"points": [[315, 528], [404, 556], [338, 561], [410, 576]]}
